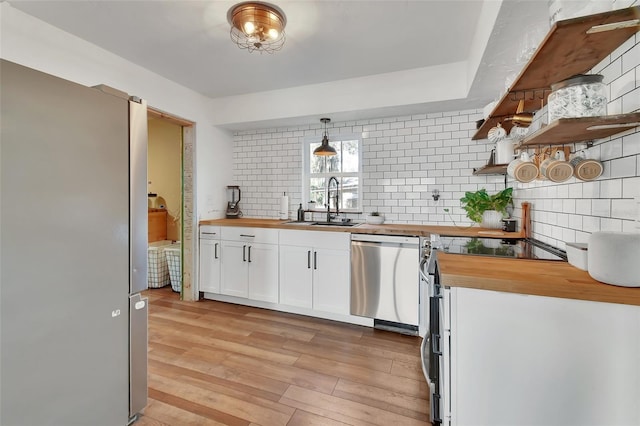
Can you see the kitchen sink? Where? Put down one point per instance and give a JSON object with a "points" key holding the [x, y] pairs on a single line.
{"points": [[299, 222], [336, 224], [308, 223]]}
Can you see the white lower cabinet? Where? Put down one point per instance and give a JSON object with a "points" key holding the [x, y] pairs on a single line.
{"points": [[209, 263], [249, 268], [317, 275], [262, 266], [332, 281], [209, 259], [519, 359], [296, 276], [235, 273]]}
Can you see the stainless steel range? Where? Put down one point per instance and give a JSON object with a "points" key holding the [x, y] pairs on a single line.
{"points": [[523, 248], [433, 357]]}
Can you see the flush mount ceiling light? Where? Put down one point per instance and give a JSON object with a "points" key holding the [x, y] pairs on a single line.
{"points": [[257, 26], [325, 149]]}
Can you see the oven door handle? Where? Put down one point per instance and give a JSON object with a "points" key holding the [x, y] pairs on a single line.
{"points": [[423, 274], [424, 356]]}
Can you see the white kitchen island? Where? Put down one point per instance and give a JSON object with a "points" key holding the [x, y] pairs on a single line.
{"points": [[536, 343]]}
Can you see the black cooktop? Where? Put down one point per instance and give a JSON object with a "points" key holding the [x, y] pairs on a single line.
{"points": [[511, 248]]}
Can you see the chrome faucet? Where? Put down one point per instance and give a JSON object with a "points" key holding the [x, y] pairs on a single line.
{"points": [[333, 179]]}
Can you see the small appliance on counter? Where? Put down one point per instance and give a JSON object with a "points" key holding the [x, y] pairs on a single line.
{"points": [[509, 225], [233, 196]]}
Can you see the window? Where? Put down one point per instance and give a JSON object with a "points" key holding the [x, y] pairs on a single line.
{"points": [[346, 166]]}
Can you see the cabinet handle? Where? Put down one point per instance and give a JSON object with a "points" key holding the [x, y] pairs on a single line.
{"points": [[315, 260], [249, 254], [215, 251], [244, 253], [246, 235], [308, 259]]}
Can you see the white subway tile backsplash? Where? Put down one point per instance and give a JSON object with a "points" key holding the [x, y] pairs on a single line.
{"points": [[623, 209], [590, 224], [623, 85], [631, 100], [405, 158], [631, 58], [611, 225], [601, 207], [631, 187], [611, 188], [623, 167]]}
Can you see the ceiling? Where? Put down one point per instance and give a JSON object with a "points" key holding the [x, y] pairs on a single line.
{"points": [[188, 42]]}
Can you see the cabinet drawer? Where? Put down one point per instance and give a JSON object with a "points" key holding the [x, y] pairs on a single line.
{"points": [[317, 239], [251, 235], [210, 231]]}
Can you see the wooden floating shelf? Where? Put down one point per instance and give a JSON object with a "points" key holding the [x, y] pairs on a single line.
{"points": [[571, 130], [494, 169], [567, 50]]}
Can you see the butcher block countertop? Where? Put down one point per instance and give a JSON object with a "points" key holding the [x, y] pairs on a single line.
{"points": [[364, 228], [535, 277]]}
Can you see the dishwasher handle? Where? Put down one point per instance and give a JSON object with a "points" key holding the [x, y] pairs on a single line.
{"points": [[393, 239], [375, 244]]}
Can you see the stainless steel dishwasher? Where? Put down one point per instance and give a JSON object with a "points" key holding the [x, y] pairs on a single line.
{"points": [[385, 281]]}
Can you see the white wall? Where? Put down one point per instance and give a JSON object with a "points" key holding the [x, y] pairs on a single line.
{"points": [[164, 171], [33, 43]]}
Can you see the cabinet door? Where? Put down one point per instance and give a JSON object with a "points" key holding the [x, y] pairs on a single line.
{"points": [[262, 260], [233, 265], [331, 281], [514, 354], [296, 276], [209, 280]]}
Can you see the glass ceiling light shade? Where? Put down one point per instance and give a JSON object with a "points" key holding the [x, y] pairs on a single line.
{"points": [[325, 149], [257, 26]]}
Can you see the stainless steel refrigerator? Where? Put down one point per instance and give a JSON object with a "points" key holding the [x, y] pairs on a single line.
{"points": [[73, 231]]}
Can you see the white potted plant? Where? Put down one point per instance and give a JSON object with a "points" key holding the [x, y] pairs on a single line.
{"points": [[375, 218], [488, 210]]}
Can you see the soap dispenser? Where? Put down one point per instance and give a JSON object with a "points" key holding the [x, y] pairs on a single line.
{"points": [[300, 214]]}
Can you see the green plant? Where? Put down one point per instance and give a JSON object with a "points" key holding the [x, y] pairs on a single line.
{"points": [[476, 203], [374, 214]]}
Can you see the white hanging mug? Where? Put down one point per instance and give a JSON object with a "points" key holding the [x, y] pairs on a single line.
{"points": [[523, 169]]}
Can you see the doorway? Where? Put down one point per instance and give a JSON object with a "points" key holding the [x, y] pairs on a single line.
{"points": [[170, 189]]}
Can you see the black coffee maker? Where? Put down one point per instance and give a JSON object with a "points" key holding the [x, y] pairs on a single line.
{"points": [[233, 196]]}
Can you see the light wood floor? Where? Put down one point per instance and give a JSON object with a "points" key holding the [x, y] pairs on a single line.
{"points": [[213, 363]]}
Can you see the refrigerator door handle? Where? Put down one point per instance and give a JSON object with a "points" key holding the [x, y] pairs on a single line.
{"points": [[138, 223]]}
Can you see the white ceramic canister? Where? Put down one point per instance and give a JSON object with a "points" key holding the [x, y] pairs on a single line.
{"points": [[523, 169], [505, 151], [555, 168], [613, 258]]}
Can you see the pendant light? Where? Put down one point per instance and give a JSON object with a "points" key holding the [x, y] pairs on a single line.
{"points": [[325, 149]]}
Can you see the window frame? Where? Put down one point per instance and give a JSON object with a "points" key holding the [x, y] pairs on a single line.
{"points": [[306, 172]]}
